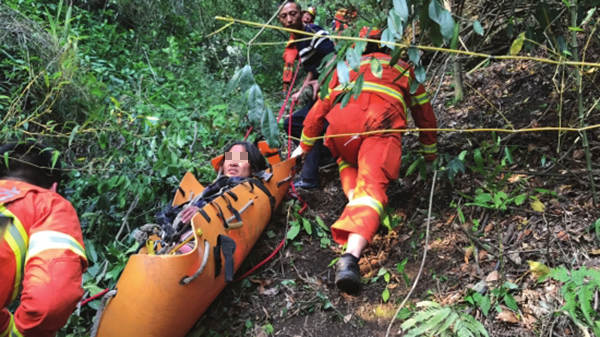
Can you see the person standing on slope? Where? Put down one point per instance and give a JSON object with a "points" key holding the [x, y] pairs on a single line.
{"points": [[311, 52], [42, 257], [367, 163]]}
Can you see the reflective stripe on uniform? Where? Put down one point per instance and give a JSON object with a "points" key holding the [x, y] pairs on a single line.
{"points": [[306, 140], [384, 62], [343, 165], [17, 240], [369, 202], [374, 87], [428, 149], [419, 99], [14, 332], [46, 240]]}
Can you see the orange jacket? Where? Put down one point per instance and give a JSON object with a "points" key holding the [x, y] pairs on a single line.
{"points": [[394, 88], [42, 257], [290, 55]]}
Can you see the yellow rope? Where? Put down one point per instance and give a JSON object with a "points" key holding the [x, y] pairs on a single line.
{"points": [[540, 129], [462, 52]]}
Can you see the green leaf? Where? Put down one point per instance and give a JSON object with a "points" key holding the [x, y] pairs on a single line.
{"points": [[517, 44], [483, 198], [233, 82], [246, 78], [412, 168], [270, 128], [478, 159], [420, 74], [343, 72], [256, 105], [382, 271], [345, 99], [423, 168], [293, 232], [358, 86], [386, 277], [387, 38], [414, 55], [588, 16], [321, 223], [485, 305], [586, 295], [520, 199], [307, 226], [443, 18], [477, 28], [353, 59], [395, 24], [510, 302], [325, 87], [385, 295], [401, 8], [376, 67], [560, 274], [73, 133]]}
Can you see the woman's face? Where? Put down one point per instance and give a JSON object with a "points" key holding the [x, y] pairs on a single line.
{"points": [[236, 162]]}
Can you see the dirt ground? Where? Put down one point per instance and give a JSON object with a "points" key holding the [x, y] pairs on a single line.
{"points": [[294, 294]]}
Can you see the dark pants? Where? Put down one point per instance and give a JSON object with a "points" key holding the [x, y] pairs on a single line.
{"points": [[310, 169]]}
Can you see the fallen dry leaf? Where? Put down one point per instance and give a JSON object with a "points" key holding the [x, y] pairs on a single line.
{"points": [[347, 318], [482, 255], [508, 317], [578, 154], [531, 147], [538, 269], [536, 205], [562, 236], [262, 283], [403, 238], [493, 276], [595, 252], [516, 177], [468, 253], [488, 228]]}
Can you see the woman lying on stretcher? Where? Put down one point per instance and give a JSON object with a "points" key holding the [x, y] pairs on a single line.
{"points": [[241, 160]]}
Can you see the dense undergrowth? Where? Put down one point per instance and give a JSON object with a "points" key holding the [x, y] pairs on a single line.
{"points": [[131, 93]]}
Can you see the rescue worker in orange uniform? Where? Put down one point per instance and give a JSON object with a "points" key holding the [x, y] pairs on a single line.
{"points": [[367, 163], [342, 18], [42, 257], [291, 53]]}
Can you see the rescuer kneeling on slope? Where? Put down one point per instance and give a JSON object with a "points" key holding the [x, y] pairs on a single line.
{"points": [[367, 163], [42, 256]]}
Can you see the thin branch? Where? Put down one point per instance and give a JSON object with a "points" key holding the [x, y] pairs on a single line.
{"points": [[422, 261]]}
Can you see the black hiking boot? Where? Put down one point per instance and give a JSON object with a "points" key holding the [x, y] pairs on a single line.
{"points": [[347, 277]]}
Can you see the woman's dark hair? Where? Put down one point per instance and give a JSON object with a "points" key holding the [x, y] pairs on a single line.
{"points": [[30, 162], [255, 157]]}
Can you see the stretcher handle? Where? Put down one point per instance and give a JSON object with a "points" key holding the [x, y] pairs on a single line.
{"points": [[238, 224], [285, 180], [188, 279]]}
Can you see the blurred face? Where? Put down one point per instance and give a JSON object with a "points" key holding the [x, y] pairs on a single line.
{"points": [[291, 17], [307, 17], [236, 162]]}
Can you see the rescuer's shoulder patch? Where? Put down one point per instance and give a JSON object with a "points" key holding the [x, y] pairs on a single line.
{"points": [[8, 194]]}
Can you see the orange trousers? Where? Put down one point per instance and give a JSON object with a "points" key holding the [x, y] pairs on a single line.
{"points": [[366, 165]]}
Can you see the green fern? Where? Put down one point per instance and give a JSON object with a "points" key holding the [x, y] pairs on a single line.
{"points": [[578, 291], [435, 320]]}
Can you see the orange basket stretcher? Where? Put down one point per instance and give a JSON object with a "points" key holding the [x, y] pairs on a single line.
{"points": [[152, 299]]}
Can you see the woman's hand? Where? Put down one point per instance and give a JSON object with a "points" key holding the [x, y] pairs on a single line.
{"points": [[188, 213]]}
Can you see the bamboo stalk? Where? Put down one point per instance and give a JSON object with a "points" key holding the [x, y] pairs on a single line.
{"points": [[586, 145]]}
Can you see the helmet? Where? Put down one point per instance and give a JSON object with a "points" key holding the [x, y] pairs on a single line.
{"points": [[312, 10], [370, 33]]}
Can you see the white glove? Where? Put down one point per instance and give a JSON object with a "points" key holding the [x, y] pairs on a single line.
{"points": [[297, 152]]}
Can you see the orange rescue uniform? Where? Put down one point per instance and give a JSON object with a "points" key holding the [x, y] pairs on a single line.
{"points": [[42, 258], [368, 163], [289, 57]]}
